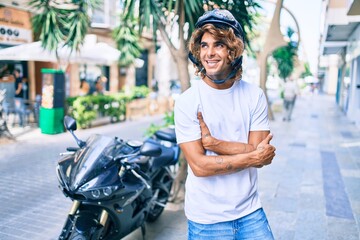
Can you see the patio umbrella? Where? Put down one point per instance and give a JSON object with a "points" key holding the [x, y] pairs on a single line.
{"points": [[96, 53], [27, 52]]}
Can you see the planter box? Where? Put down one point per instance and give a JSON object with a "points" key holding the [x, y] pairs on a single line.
{"points": [[137, 108]]}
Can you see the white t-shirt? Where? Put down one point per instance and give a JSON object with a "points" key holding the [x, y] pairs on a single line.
{"points": [[290, 90], [230, 114]]}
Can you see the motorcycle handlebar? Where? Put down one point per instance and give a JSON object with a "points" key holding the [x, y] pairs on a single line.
{"points": [[136, 171], [139, 175], [72, 149]]}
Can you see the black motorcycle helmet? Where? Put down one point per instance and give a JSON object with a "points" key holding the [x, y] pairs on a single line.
{"points": [[220, 18]]}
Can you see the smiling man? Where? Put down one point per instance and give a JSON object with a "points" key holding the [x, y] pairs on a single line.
{"points": [[223, 130]]}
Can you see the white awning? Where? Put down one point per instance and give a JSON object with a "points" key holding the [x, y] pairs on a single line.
{"points": [[96, 53]]}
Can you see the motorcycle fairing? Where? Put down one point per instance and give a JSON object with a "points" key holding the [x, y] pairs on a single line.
{"points": [[89, 162]]}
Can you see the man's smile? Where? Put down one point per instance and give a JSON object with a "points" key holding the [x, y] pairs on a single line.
{"points": [[212, 63]]}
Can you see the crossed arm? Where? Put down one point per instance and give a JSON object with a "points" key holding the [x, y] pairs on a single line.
{"points": [[232, 156]]}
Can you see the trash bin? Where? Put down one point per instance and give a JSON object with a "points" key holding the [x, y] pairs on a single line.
{"points": [[52, 101], [51, 120]]}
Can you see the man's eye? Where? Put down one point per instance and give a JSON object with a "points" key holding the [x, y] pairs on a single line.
{"points": [[203, 45], [220, 45]]}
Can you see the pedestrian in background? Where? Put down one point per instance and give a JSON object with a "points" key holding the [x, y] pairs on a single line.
{"points": [[99, 85], [25, 88], [20, 90], [222, 128], [291, 91], [84, 87], [18, 84]]}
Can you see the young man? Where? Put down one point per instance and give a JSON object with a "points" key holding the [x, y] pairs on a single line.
{"points": [[222, 127]]}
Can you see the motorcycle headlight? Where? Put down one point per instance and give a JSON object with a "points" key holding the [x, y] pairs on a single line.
{"points": [[91, 192], [99, 193], [107, 191], [95, 193]]}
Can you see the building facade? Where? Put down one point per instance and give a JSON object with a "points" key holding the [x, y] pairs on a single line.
{"points": [[339, 58], [16, 29]]}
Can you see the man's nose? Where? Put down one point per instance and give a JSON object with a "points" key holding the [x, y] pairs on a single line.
{"points": [[211, 51]]}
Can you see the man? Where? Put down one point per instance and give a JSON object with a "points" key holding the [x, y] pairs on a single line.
{"points": [[222, 128], [291, 90], [20, 106], [18, 84]]}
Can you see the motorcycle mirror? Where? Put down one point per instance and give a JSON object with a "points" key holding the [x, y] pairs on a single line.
{"points": [[70, 123], [150, 149]]}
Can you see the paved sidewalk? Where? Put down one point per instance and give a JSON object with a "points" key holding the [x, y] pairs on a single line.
{"points": [[310, 191]]}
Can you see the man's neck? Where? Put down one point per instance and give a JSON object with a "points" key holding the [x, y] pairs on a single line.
{"points": [[224, 85]]}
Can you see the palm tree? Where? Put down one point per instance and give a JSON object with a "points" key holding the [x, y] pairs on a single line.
{"points": [[307, 71], [285, 57], [61, 22], [127, 39]]}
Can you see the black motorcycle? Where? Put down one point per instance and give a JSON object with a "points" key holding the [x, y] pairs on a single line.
{"points": [[115, 185]]}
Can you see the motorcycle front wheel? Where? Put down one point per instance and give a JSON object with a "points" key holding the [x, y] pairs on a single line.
{"points": [[84, 226], [161, 191]]}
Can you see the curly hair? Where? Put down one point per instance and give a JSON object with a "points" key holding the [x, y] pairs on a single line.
{"points": [[228, 37]]}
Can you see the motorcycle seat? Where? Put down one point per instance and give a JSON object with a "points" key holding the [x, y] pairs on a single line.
{"points": [[166, 134]]}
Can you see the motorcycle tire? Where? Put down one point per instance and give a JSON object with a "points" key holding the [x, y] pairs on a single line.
{"points": [[77, 236], [163, 186]]}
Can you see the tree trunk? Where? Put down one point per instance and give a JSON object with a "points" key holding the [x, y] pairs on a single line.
{"points": [[181, 57], [262, 59], [183, 70], [178, 187]]}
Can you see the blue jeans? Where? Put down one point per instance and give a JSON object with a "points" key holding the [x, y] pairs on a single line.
{"points": [[288, 107], [253, 226]]}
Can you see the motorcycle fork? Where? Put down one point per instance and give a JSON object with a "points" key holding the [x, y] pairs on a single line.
{"points": [[70, 221], [74, 207], [104, 217], [69, 224]]}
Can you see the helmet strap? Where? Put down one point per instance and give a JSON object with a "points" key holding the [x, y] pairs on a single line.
{"points": [[236, 64]]}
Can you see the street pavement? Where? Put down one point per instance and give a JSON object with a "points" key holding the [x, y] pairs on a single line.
{"points": [[310, 191]]}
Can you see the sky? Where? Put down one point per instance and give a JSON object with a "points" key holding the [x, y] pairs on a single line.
{"points": [[307, 13]]}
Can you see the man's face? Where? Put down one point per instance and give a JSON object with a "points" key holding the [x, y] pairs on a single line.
{"points": [[214, 57]]}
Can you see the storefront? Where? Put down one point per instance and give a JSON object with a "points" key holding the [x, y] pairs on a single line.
{"points": [[15, 29]]}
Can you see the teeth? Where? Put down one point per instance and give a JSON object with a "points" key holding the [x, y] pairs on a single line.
{"points": [[211, 63]]}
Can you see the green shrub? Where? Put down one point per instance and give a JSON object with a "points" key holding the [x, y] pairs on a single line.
{"points": [[168, 121], [85, 109], [139, 92]]}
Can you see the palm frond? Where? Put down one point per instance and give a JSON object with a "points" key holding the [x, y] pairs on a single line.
{"points": [[54, 24], [127, 39]]}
